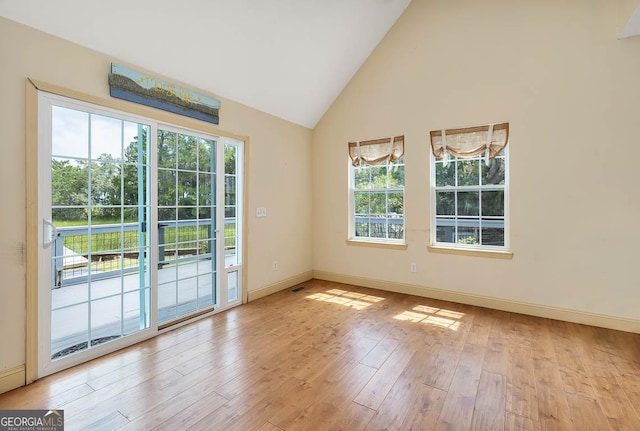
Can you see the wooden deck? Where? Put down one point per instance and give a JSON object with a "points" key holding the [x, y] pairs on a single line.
{"points": [[334, 356]]}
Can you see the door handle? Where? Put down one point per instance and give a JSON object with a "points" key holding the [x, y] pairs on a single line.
{"points": [[49, 233]]}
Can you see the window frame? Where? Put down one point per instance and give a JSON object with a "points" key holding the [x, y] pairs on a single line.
{"points": [[434, 244], [353, 239]]}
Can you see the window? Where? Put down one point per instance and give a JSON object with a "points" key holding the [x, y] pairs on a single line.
{"points": [[377, 189], [469, 184]]}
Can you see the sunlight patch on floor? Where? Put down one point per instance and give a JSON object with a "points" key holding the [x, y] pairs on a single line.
{"points": [[432, 316], [354, 300]]}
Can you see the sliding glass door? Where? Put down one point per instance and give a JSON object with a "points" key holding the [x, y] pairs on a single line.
{"points": [[140, 224]]}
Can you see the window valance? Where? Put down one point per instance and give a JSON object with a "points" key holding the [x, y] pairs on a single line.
{"points": [[377, 151], [470, 142]]}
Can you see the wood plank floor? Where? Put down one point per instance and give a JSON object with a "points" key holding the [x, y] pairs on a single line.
{"points": [[340, 357]]}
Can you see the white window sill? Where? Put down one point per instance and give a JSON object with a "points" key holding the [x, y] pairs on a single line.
{"points": [[496, 254], [377, 244]]}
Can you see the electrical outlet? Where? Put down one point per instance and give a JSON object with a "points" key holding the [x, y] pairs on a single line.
{"points": [[274, 266], [413, 267]]}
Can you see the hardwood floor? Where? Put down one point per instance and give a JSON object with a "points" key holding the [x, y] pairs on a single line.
{"points": [[340, 357]]}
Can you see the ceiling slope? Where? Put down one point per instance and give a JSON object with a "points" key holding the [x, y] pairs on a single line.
{"points": [[289, 58]]}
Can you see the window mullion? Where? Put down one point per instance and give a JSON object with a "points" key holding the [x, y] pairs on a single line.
{"points": [[386, 201], [480, 217], [455, 202]]}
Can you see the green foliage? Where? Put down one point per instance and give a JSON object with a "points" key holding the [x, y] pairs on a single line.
{"points": [[185, 180], [468, 204], [101, 242], [379, 189], [378, 177], [69, 181], [379, 200], [467, 240], [186, 191], [230, 157], [494, 173], [470, 172], [445, 175], [460, 192], [185, 176], [187, 237]]}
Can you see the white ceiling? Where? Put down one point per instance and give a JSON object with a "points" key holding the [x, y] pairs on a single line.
{"points": [[632, 28], [290, 58]]}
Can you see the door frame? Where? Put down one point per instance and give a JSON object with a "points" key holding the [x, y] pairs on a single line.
{"points": [[33, 230]]}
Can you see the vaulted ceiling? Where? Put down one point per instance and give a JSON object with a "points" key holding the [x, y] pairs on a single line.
{"points": [[290, 58]]}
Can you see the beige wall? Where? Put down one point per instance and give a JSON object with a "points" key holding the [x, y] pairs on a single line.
{"points": [[278, 179], [554, 70], [571, 93]]}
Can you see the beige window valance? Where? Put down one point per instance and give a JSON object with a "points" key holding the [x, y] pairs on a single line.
{"points": [[377, 151], [470, 141]]}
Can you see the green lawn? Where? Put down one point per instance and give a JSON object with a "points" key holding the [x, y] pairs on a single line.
{"points": [[187, 236], [70, 223]]}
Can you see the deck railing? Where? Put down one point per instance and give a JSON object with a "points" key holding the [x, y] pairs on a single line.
{"points": [[113, 249], [393, 228]]}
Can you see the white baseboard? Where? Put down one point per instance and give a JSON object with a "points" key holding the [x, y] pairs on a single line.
{"points": [[280, 285], [567, 315], [12, 378]]}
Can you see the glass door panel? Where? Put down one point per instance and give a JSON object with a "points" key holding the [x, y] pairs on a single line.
{"points": [[96, 211], [186, 224], [232, 286]]}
